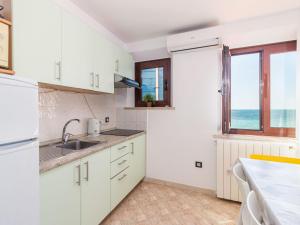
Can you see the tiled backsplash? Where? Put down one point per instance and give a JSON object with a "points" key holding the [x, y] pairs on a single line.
{"points": [[131, 119], [57, 107]]}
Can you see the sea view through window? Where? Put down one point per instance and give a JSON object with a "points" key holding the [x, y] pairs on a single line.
{"points": [[247, 108]]}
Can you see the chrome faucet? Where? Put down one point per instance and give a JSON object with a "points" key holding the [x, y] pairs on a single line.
{"points": [[65, 137]]}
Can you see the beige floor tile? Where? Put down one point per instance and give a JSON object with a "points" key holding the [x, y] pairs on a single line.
{"points": [[157, 204]]}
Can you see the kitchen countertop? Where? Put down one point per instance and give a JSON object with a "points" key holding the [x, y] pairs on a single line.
{"points": [[52, 157]]}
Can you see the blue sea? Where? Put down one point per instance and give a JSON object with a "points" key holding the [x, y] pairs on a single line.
{"points": [[250, 119]]}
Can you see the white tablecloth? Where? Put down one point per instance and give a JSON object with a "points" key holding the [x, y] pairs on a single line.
{"points": [[277, 186]]}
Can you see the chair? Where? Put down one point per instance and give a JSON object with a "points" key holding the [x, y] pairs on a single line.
{"points": [[243, 185], [252, 214]]}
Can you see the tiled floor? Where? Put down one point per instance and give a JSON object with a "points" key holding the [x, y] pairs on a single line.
{"points": [[157, 204]]}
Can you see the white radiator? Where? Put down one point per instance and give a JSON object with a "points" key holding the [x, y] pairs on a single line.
{"points": [[228, 151]]}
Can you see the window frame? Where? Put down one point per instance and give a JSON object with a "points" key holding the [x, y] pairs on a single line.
{"points": [[265, 91], [166, 64]]}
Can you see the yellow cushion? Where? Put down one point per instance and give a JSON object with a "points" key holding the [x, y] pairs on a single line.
{"points": [[276, 159]]}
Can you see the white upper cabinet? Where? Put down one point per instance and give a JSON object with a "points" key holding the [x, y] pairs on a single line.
{"points": [[77, 53], [37, 40], [123, 62], [127, 65], [103, 65], [56, 47]]}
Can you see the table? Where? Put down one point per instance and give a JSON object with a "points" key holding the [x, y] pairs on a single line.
{"points": [[277, 186]]}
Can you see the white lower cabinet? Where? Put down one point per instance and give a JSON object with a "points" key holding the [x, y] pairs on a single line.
{"points": [[134, 159], [84, 192], [137, 160], [77, 193], [60, 195], [119, 187], [95, 188]]}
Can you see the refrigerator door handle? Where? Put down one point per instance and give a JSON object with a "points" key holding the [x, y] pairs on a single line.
{"points": [[19, 146]]}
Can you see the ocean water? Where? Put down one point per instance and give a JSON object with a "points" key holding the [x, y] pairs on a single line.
{"points": [[250, 119]]}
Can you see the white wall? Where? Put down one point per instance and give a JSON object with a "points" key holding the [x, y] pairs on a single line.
{"points": [[267, 29], [177, 138]]}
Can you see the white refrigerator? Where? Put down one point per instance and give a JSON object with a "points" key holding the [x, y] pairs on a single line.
{"points": [[19, 152]]}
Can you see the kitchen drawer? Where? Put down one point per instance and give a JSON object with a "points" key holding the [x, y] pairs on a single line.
{"points": [[119, 165], [119, 150], [119, 187]]}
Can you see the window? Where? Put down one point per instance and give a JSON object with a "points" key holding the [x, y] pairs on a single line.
{"points": [[154, 77], [259, 92]]}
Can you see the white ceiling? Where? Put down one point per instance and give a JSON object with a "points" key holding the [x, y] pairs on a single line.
{"points": [[135, 20]]}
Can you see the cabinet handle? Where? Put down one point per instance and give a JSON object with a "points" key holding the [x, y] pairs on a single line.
{"points": [[58, 70], [121, 178], [92, 79], [132, 147], [120, 163], [97, 80], [79, 175], [122, 148], [87, 171]]}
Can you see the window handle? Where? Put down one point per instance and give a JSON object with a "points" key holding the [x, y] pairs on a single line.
{"points": [[166, 85], [221, 91]]}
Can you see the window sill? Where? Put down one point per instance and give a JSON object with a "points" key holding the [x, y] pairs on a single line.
{"points": [[149, 108], [254, 138]]}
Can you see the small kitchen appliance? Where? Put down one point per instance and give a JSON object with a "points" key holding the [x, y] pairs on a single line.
{"points": [[94, 127]]}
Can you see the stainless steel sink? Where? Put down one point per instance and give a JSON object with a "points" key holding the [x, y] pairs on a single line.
{"points": [[78, 145]]}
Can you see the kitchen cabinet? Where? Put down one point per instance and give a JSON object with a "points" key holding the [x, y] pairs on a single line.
{"points": [[85, 191], [128, 162], [137, 160], [127, 65], [119, 187], [124, 64], [103, 64], [37, 40], [77, 193], [95, 188], [60, 195], [77, 52], [53, 46]]}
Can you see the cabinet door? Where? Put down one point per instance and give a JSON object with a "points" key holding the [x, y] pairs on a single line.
{"points": [[60, 195], [103, 64], [120, 187], [137, 160], [95, 190], [126, 64], [77, 52], [37, 40]]}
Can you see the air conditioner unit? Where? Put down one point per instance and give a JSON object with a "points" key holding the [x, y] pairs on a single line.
{"points": [[190, 43]]}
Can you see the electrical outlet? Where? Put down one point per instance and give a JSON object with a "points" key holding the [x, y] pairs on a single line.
{"points": [[106, 119], [198, 164]]}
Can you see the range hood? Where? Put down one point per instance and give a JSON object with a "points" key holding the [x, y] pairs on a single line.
{"points": [[124, 82]]}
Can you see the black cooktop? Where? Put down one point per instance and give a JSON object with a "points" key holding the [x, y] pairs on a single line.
{"points": [[121, 132]]}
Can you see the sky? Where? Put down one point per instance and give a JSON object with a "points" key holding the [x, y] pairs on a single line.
{"points": [[245, 81]]}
